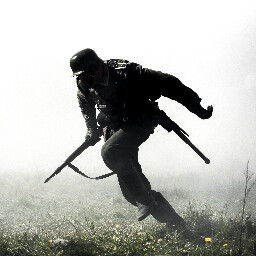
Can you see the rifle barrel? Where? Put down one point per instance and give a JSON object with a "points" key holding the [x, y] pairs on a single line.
{"points": [[168, 124], [188, 142], [75, 154], [57, 171]]}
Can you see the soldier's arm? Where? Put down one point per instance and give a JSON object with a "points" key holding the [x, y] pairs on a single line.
{"points": [[87, 106], [156, 84]]}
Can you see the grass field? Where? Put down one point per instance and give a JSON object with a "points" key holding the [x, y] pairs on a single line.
{"points": [[71, 215]]}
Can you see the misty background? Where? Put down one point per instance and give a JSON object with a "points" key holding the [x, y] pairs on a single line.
{"points": [[210, 46]]}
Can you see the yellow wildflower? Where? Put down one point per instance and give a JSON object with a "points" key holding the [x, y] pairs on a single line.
{"points": [[160, 240], [117, 226], [225, 244], [208, 239], [50, 241]]}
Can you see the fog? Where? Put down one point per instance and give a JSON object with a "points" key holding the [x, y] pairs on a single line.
{"points": [[209, 46]]}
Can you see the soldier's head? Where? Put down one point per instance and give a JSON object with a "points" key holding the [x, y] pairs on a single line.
{"points": [[87, 67]]}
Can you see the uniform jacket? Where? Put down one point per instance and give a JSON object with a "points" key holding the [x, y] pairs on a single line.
{"points": [[127, 92]]}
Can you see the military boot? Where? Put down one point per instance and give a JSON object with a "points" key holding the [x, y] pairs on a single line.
{"points": [[143, 211], [143, 199], [146, 204], [164, 212]]}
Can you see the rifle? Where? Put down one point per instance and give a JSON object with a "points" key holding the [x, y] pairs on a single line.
{"points": [[75, 154], [158, 115], [168, 124]]}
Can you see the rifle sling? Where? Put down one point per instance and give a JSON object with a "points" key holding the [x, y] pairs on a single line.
{"points": [[74, 168]]}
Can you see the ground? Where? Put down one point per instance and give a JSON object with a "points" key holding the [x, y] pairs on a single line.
{"points": [[71, 215]]}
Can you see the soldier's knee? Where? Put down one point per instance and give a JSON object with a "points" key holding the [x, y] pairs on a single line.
{"points": [[106, 153], [109, 155], [114, 158]]}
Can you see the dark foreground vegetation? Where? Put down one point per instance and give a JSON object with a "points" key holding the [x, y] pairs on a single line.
{"points": [[73, 216]]}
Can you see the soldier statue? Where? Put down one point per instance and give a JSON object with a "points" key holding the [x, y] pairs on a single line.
{"points": [[122, 90]]}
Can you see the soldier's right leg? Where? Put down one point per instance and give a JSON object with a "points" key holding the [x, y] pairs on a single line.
{"points": [[125, 190], [118, 154]]}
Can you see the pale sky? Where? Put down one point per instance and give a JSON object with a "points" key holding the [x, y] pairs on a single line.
{"points": [[209, 45]]}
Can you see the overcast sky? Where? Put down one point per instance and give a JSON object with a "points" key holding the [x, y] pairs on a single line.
{"points": [[209, 45]]}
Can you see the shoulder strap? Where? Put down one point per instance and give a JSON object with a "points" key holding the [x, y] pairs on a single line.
{"points": [[74, 168], [118, 64]]}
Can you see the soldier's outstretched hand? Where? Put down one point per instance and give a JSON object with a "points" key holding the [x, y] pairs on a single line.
{"points": [[207, 113]]}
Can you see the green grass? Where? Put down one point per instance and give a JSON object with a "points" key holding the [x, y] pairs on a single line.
{"points": [[150, 238], [74, 216]]}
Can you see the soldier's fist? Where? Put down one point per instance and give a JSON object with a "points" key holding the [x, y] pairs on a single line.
{"points": [[206, 113], [91, 134]]}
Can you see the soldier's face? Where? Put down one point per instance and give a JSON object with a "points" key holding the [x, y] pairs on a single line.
{"points": [[85, 79], [89, 79]]}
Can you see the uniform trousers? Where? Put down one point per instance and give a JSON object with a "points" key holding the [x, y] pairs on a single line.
{"points": [[120, 154]]}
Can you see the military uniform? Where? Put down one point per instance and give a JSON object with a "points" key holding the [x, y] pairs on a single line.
{"points": [[122, 99], [125, 93]]}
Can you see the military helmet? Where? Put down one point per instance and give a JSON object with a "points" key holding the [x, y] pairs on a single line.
{"points": [[85, 60]]}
